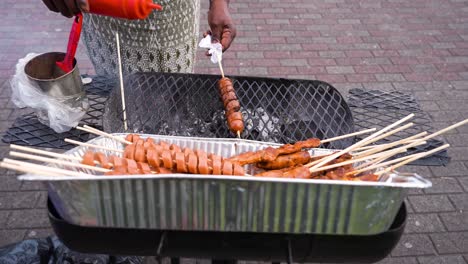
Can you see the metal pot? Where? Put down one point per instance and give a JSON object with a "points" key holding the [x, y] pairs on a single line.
{"points": [[43, 70]]}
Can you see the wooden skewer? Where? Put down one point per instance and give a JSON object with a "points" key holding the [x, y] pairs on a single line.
{"points": [[43, 152], [360, 143], [383, 164], [91, 145], [416, 157], [104, 134], [122, 93], [390, 145], [220, 66], [347, 135], [45, 168], [461, 123], [24, 169], [396, 130], [56, 161], [378, 160], [386, 154]]}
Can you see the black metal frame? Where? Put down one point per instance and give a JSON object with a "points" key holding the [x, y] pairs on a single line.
{"points": [[222, 246]]}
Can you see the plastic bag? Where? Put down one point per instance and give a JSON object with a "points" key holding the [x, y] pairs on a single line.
{"points": [[50, 250], [59, 113]]}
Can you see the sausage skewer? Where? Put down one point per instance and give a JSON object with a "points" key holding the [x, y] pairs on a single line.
{"points": [[170, 157], [231, 106]]}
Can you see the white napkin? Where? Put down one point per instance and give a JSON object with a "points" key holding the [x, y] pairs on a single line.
{"points": [[215, 49]]}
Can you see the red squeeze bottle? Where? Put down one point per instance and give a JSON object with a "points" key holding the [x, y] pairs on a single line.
{"points": [[129, 9]]}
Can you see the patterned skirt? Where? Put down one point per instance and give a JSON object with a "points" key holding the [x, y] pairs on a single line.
{"points": [[164, 42]]}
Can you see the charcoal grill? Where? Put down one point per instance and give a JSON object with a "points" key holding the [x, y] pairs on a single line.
{"points": [[274, 110], [229, 245]]}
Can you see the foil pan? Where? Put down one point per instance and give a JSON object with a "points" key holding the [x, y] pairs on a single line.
{"points": [[227, 203]]}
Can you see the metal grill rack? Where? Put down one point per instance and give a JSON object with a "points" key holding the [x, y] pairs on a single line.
{"points": [[278, 110], [374, 108]]}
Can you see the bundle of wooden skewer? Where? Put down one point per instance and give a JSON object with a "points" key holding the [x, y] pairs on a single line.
{"points": [[360, 161]]}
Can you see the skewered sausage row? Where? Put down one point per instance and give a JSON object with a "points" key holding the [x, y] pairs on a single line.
{"points": [[286, 161], [269, 156], [142, 155], [231, 106]]}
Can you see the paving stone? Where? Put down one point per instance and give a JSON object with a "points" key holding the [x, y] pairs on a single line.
{"points": [[18, 200], [413, 245], [42, 201], [8, 237], [457, 153], [9, 183], [464, 182], [3, 217], [451, 259], [450, 243], [39, 233], [457, 221], [33, 186], [459, 140], [399, 260], [339, 69], [423, 223], [460, 201], [33, 218], [444, 185], [431, 203]]}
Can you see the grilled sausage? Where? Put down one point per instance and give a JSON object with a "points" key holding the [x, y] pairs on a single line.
{"points": [[88, 158], [285, 161], [231, 106]]}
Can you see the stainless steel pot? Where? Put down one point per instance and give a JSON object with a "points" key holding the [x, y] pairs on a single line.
{"points": [[43, 70]]}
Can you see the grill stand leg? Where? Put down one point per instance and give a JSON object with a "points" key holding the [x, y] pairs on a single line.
{"points": [[289, 252]]}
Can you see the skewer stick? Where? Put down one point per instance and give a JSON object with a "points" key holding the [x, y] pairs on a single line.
{"points": [[220, 66], [385, 154], [348, 135], [19, 168], [461, 123], [104, 134], [238, 134], [416, 157], [396, 130], [378, 160], [383, 164], [43, 152], [392, 144], [91, 145], [360, 143], [122, 93], [45, 168], [56, 161]]}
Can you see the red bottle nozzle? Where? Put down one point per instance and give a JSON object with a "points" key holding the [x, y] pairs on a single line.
{"points": [[155, 6], [67, 64]]}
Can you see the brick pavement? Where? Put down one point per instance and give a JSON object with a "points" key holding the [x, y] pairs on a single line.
{"points": [[418, 46]]}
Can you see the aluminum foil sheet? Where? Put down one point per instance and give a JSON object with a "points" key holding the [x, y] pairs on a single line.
{"points": [[227, 203]]}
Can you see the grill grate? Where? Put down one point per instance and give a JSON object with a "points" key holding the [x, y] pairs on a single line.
{"points": [[278, 110], [274, 110], [374, 108], [28, 131]]}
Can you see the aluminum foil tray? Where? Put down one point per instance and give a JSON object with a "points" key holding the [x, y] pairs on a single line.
{"points": [[227, 203]]}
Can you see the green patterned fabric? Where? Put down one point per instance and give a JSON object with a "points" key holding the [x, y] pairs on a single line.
{"points": [[165, 42]]}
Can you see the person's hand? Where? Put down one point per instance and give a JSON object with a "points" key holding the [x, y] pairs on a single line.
{"points": [[67, 8], [220, 21]]}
